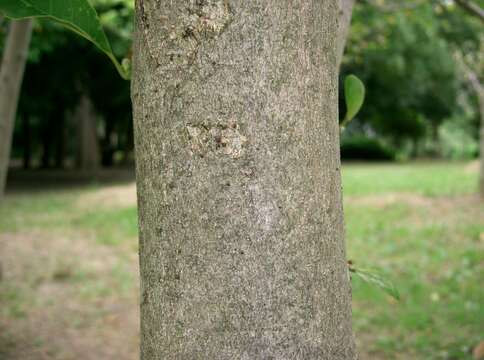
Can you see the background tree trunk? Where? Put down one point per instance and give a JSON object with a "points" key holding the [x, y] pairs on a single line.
{"points": [[26, 142], [60, 142], [47, 142], [108, 148], [88, 151], [474, 81], [237, 152], [479, 90], [128, 144], [11, 74], [481, 148], [345, 12]]}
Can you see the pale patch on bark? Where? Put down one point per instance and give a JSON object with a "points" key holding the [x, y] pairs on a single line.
{"points": [[209, 17], [182, 33], [225, 139]]}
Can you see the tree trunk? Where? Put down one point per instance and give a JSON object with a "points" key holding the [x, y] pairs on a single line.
{"points": [[479, 90], [47, 142], [27, 142], [60, 140], [11, 74], [128, 143], [107, 144], [345, 11], [88, 152], [237, 152], [481, 150]]}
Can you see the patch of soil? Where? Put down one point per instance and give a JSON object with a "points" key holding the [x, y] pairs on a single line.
{"points": [[383, 200], [438, 205], [472, 167], [438, 210], [58, 303], [109, 197]]}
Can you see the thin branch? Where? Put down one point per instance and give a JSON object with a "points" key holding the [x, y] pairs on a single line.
{"points": [[397, 6], [471, 7], [472, 78]]}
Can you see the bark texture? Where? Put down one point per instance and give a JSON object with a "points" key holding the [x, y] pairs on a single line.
{"points": [[237, 156], [11, 74]]}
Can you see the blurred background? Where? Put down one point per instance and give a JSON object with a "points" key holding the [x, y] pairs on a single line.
{"points": [[68, 226]]}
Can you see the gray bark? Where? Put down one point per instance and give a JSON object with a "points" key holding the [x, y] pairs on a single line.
{"points": [[11, 74], [88, 152], [242, 250]]}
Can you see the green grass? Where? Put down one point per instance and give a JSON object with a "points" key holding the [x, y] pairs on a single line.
{"points": [[426, 178], [415, 223], [431, 250], [61, 211], [111, 226]]}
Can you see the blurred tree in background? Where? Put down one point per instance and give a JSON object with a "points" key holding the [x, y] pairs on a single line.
{"points": [[65, 74], [405, 54], [75, 109]]}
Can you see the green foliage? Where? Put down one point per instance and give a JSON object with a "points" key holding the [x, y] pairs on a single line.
{"points": [[374, 278], [406, 63], [76, 15], [53, 86], [354, 97], [458, 139]]}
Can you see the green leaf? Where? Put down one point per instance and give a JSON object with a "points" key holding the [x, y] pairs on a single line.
{"points": [[354, 97], [374, 278], [77, 15]]}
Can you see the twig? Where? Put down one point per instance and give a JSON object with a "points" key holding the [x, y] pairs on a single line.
{"points": [[471, 7]]}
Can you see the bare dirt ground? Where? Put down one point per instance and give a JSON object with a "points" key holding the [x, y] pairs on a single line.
{"points": [[65, 321], [70, 315], [438, 208], [118, 195]]}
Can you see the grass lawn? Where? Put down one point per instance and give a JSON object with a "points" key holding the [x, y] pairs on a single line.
{"points": [[69, 258], [423, 228]]}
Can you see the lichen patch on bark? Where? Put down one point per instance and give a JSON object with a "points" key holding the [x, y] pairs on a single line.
{"points": [[202, 19], [181, 29], [209, 17], [221, 138]]}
